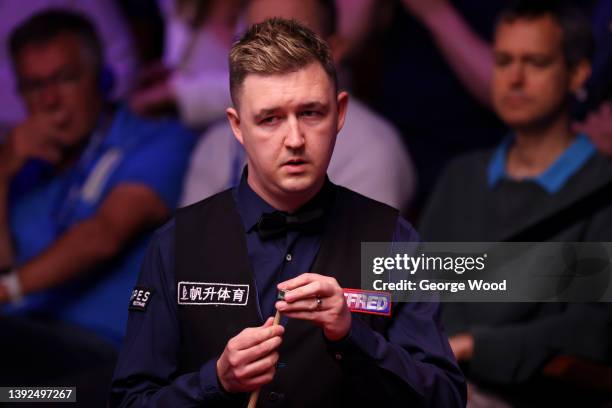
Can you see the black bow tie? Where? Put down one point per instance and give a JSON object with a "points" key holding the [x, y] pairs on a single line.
{"points": [[277, 223]]}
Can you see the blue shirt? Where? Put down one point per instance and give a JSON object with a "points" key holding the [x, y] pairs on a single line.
{"points": [[273, 260], [144, 373], [557, 174], [44, 205]]}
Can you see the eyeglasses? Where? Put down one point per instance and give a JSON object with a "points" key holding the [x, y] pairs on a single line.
{"points": [[31, 87]]}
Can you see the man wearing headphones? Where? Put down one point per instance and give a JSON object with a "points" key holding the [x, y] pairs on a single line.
{"points": [[81, 182]]}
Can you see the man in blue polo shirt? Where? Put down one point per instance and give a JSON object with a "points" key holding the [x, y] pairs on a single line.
{"points": [[543, 183], [81, 183]]}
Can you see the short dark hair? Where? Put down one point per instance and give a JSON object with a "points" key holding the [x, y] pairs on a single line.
{"points": [[277, 46], [577, 42], [46, 25]]}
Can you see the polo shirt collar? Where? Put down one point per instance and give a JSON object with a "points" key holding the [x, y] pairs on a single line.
{"points": [[557, 174], [116, 126]]}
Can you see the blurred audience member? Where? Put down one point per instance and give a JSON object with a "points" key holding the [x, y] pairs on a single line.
{"points": [[471, 58], [534, 187], [119, 57], [193, 76], [369, 156], [81, 183]]}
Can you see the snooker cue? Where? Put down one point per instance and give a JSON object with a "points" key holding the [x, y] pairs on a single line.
{"points": [[255, 394]]}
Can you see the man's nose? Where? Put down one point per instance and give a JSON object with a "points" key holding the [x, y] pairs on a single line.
{"points": [[516, 74], [49, 97], [295, 138]]}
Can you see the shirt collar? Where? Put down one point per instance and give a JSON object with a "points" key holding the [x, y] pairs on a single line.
{"points": [[251, 206], [557, 174], [115, 125]]}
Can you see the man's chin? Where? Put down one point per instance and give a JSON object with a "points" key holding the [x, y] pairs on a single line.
{"points": [[527, 120], [71, 138], [299, 184]]}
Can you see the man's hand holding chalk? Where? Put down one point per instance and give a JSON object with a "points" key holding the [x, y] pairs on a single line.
{"points": [[319, 299]]}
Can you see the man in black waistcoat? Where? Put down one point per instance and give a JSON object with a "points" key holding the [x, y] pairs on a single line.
{"points": [[200, 331]]}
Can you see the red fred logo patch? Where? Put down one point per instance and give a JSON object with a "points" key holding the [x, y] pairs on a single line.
{"points": [[368, 301]]}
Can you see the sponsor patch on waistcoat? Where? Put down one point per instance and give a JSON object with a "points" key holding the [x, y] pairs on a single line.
{"points": [[367, 301], [140, 298], [205, 293]]}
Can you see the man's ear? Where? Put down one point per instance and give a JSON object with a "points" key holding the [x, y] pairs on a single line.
{"points": [[234, 121], [580, 73], [342, 100]]}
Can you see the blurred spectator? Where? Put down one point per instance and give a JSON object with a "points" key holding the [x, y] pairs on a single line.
{"points": [[533, 187], [471, 58], [369, 156], [193, 76], [106, 17], [81, 183]]}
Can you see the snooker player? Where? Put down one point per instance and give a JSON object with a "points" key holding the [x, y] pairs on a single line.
{"points": [[199, 331]]}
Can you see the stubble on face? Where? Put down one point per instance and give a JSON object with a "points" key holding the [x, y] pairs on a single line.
{"points": [[288, 126]]}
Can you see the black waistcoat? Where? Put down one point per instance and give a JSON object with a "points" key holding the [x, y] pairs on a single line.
{"points": [[211, 247]]}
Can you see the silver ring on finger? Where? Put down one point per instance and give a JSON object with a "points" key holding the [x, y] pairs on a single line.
{"points": [[319, 303]]}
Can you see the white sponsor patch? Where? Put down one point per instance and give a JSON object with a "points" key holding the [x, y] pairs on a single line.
{"points": [[205, 293]]}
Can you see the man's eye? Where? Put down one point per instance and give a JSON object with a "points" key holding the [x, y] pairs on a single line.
{"points": [[540, 62], [30, 86], [310, 114], [502, 61], [66, 77], [270, 120]]}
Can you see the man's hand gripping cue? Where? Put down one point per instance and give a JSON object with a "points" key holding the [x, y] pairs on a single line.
{"points": [[249, 359]]}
